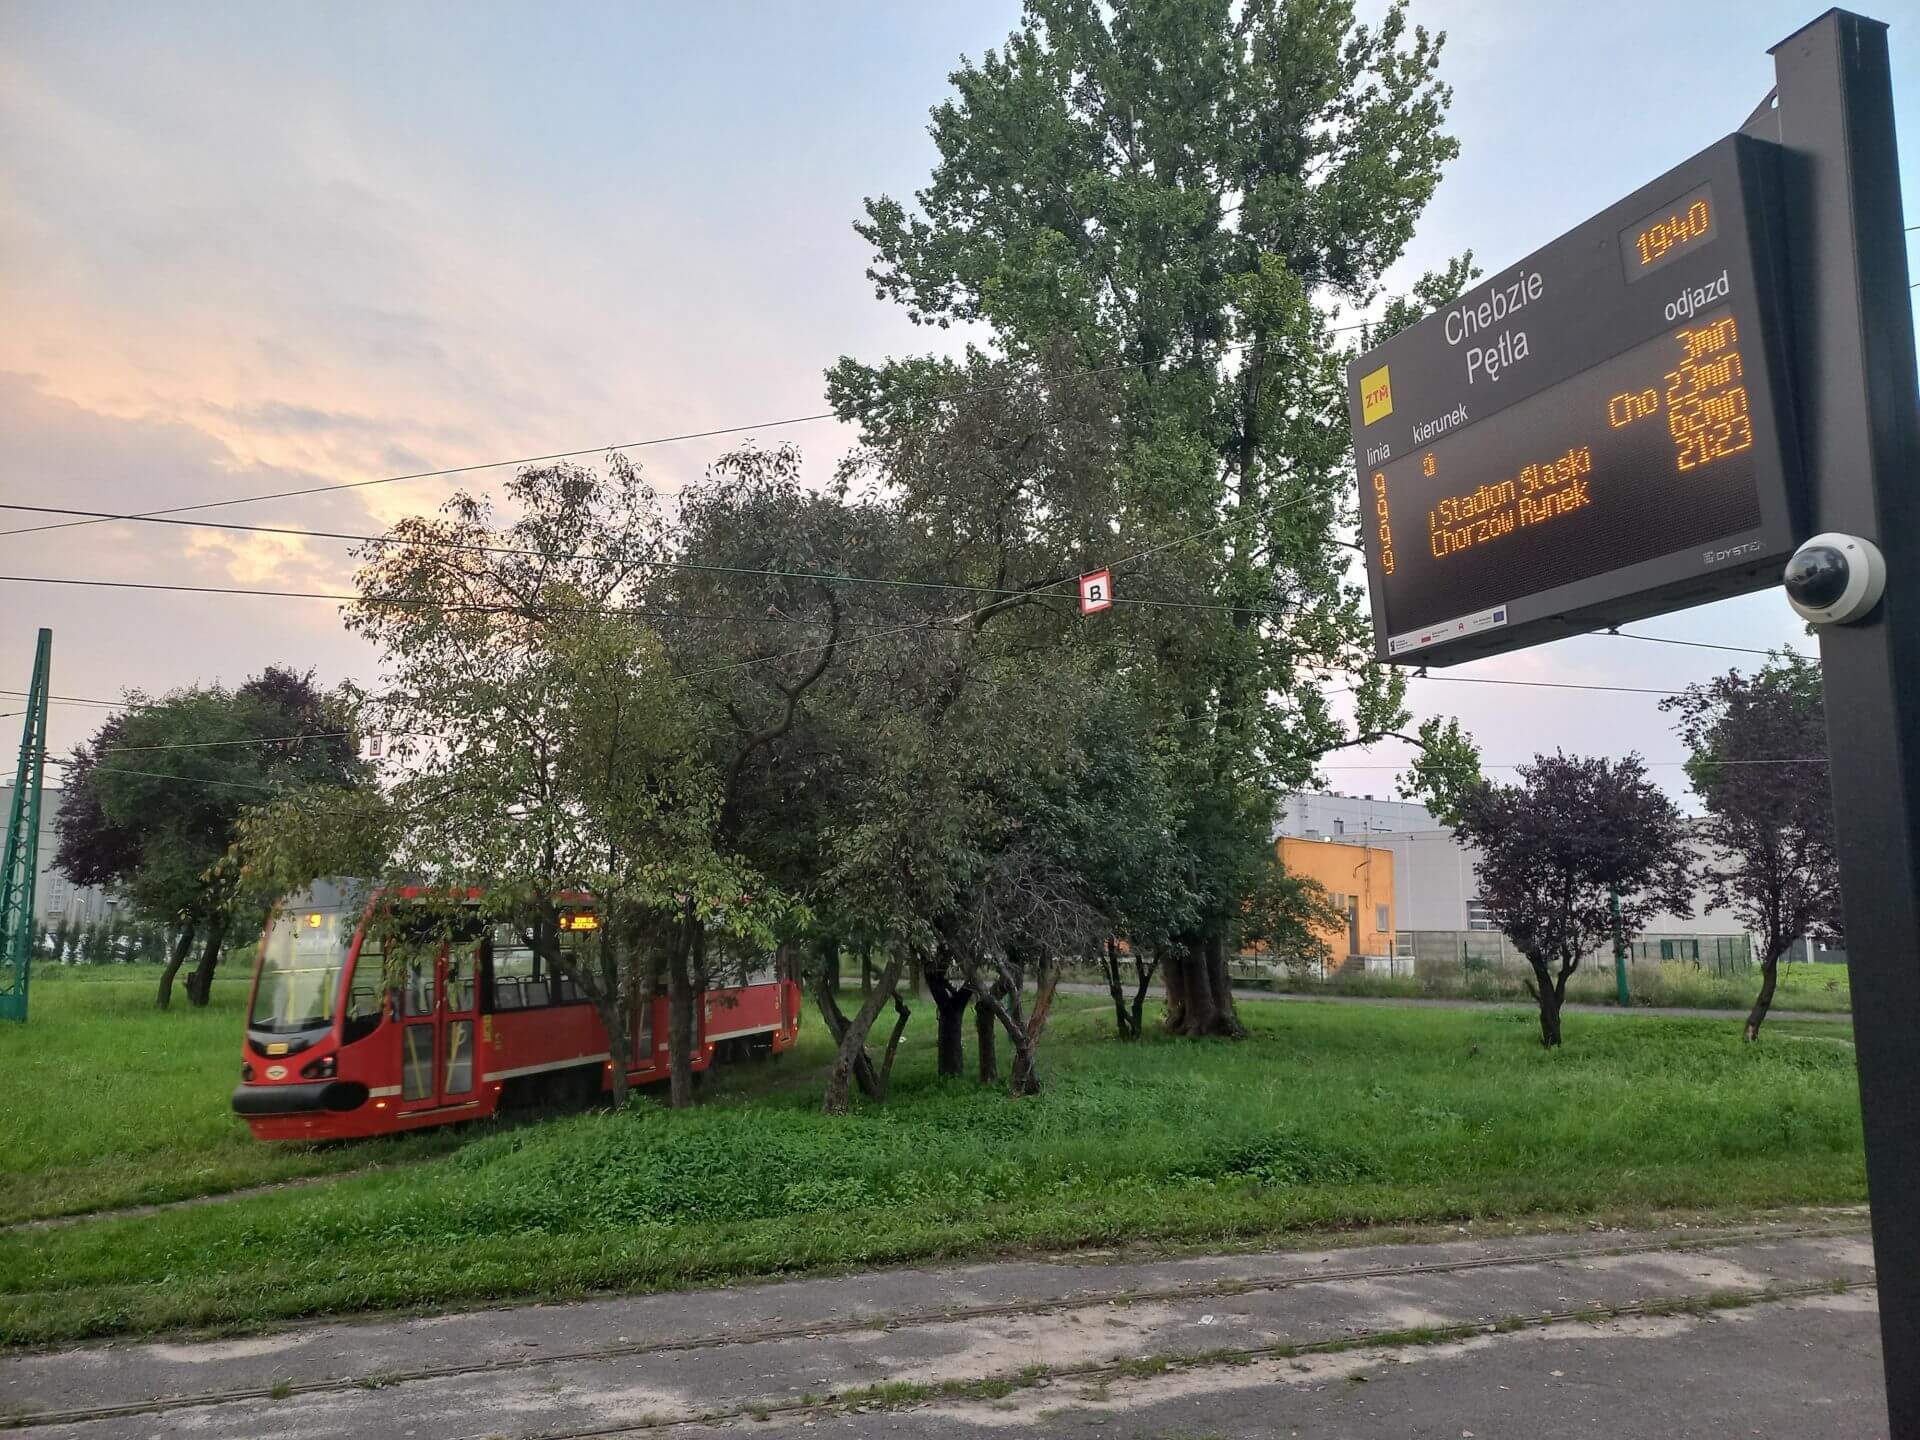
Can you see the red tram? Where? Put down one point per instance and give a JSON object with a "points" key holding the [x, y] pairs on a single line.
{"points": [[332, 1053]]}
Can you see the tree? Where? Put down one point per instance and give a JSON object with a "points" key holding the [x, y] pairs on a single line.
{"points": [[1556, 846], [1174, 196], [1115, 821], [917, 675], [547, 746], [152, 802], [1290, 916], [758, 616], [1446, 767], [1757, 748]]}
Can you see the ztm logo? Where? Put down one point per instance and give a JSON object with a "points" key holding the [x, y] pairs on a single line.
{"points": [[1376, 396]]}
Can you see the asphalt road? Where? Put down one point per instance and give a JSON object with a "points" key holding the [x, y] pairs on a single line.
{"points": [[1767, 1329]]}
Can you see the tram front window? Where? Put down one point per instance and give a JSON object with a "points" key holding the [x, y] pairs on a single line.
{"points": [[300, 969]]}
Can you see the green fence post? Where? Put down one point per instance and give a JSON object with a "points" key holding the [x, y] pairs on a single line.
{"points": [[1619, 951]]}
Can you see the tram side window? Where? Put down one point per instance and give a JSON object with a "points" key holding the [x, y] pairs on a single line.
{"points": [[365, 992], [566, 990], [520, 980], [731, 963], [416, 1062], [418, 995], [460, 970]]}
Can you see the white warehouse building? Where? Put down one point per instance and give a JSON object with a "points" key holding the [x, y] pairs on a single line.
{"points": [[1435, 884]]}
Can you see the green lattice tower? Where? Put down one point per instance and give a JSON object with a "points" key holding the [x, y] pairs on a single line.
{"points": [[22, 858]]}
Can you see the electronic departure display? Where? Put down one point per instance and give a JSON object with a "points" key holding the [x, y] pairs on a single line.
{"points": [[1599, 433]]}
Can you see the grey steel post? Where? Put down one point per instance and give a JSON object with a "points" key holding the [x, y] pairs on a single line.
{"points": [[1859, 421]]}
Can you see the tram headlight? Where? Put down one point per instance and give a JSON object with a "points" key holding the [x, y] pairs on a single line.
{"points": [[322, 1069], [246, 1073]]}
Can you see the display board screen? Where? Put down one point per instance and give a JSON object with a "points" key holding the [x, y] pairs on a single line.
{"points": [[1594, 435]]}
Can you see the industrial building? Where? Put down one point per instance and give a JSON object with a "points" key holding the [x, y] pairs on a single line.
{"points": [[1415, 879], [54, 896]]}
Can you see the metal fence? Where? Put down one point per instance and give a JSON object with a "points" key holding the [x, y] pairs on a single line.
{"points": [[1485, 951]]}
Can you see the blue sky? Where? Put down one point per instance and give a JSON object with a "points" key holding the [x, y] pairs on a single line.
{"points": [[256, 247]]}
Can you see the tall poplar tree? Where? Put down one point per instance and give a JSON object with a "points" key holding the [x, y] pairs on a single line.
{"points": [[1185, 194]]}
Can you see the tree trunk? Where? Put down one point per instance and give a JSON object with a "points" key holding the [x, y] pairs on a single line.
{"points": [[1128, 1028], [864, 1074], [853, 1042], [1143, 972], [983, 1023], [1173, 976], [618, 1020], [680, 1022], [1026, 1039], [200, 982], [1549, 997], [893, 1043], [950, 1008], [1199, 994], [182, 943], [1220, 980], [1769, 976]]}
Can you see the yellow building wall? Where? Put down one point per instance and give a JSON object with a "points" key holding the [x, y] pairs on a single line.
{"points": [[1360, 880]]}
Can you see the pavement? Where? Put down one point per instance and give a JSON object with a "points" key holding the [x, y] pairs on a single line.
{"points": [[1764, 1329], [1433, 1002]]}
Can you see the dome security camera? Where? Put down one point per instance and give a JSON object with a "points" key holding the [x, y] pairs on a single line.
{"points": [[1835, 579]]}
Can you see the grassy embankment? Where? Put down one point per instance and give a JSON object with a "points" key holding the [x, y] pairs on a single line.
{"points": [[1326, 1117], [1676, 983], [112, 1102]]}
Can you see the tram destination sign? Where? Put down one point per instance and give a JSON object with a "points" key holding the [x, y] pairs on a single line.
{"points": [[1599, 433]]}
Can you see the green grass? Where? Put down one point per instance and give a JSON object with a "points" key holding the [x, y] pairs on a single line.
{"points": [[1326, 1117], [1667, 983], [112, 1102]]}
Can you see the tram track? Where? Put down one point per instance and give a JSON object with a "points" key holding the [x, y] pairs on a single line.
{"points": [[41, 1223], [909, 1319]]}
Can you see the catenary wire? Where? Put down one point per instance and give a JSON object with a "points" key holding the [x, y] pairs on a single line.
{"points": [[558, 454], [1546, 684], [1455, 679], [961, 619], [1664, 764], [177, 779], [431, 474], [250, 740], [481, 607], [483, 549], [1698, 644]]}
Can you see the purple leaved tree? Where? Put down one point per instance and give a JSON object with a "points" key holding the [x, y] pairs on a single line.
{"points": [[1554, 849]]}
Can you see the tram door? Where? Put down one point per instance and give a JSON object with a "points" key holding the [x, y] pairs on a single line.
{"points": [[437, 1030]]}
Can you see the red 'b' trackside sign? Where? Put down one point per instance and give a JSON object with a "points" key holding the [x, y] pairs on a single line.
{"points": [[1096, 591]]}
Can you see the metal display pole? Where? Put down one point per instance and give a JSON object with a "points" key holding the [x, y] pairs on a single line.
{"points": [[1859, 421]]}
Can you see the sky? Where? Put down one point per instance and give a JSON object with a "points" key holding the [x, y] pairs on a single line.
{"points": [[247, 249]]}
